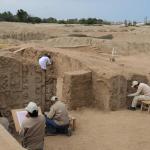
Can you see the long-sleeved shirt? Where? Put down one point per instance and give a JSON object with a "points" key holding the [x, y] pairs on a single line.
{"points": [[44, 61], [32, 132], [58, 112], [142, 88]]}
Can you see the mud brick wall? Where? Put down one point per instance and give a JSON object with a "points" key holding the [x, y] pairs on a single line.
{"points": [[10, 86], [50, 82], [110, 94], [118, 92], [20, 83], [101, 93], [77, 89]]}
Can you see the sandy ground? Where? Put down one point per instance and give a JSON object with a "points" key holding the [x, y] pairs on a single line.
{"points": [[118, 130]]}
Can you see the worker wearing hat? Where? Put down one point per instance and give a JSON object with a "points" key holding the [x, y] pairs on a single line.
{"points": [[142, 93], [44, 61], [33, 128], [57, 119]]}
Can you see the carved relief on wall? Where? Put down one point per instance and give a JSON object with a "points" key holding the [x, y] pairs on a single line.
{"points": [[4, 62], [4, 82]]}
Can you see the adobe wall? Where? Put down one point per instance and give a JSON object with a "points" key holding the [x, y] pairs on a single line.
{"points": [[21, 82], [56, 71], [110, 93], [77, 89]]}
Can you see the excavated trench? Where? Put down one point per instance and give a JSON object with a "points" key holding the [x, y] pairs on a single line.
{"points": [[22, 80]]}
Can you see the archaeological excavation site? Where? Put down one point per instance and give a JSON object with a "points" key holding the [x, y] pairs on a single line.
{"points": [[71, 79], [81, 75]]}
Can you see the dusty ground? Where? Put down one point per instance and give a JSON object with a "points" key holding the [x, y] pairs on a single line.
{"points": [[118, 130]]}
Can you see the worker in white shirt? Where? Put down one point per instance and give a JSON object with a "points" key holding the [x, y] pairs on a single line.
{"points": [[44, 61], [143, 93]]}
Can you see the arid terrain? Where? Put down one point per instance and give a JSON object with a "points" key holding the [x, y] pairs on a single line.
{"points": [[117, 130], [76, 48]]}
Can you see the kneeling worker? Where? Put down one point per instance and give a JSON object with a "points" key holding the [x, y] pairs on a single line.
{"points": [[33, 128], [57, 119], [141, 88]]}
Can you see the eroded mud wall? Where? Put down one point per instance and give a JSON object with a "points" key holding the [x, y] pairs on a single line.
{"points": [[22, 82], [77, 89], [110, 93], [11, 86], [118, 92], [101, 94]]}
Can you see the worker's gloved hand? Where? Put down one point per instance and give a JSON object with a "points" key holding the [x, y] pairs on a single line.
{"points": [[129, 95]]}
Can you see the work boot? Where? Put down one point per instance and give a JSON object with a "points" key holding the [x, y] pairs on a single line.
{"points": [[131, 108]]}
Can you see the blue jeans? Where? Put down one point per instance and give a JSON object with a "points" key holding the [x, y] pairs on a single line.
{"points": [[52, 127]]}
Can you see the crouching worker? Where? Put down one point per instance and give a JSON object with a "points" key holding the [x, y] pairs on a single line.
{"points": [[142, 93], [57, 119], [33, 128]]}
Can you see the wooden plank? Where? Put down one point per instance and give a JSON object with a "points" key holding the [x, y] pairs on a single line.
{"points": [[146, 102]]}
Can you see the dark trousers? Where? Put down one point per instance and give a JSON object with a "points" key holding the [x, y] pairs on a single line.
{"points": [[52, 127]]}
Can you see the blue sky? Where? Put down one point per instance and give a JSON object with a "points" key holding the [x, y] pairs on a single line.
{"points": [[113, 10]]}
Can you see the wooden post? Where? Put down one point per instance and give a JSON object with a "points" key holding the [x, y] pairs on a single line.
{"points": [[141, 106], [148, 108], [45, 90], [72, 123]]}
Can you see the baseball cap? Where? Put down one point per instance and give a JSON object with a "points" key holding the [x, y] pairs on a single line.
{"points": [[54, 98], [31, 107], [134, 83]]}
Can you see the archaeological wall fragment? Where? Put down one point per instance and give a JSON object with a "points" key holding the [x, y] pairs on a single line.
{"points": [[77, 89]]}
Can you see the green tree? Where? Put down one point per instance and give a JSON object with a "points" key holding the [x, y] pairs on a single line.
{"points": [[22, 15], [34, 19], [72, 21], [6, 16], [82, 21]]}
